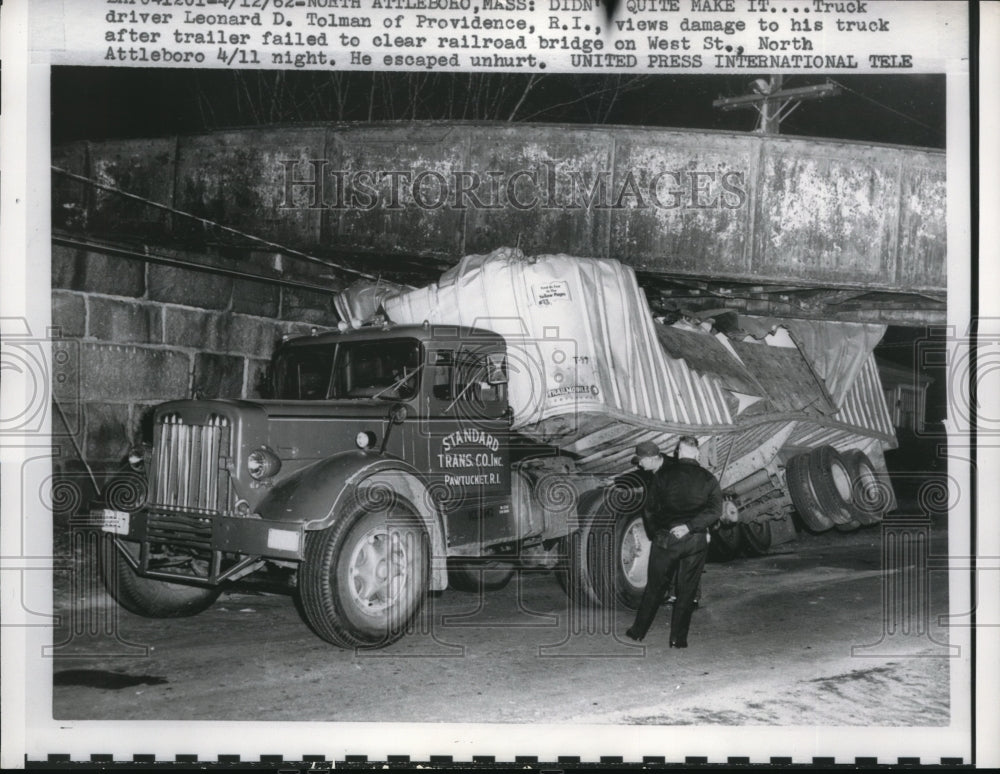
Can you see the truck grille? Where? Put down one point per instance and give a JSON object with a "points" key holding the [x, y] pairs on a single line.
{"points": [[177, 529], [189, 464]]}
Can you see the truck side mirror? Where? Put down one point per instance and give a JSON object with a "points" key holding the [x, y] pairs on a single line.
{"points": [[398, 414], [496, 368]]}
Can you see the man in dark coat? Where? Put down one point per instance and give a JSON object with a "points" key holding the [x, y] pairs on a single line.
{"points": [[683, 500]]}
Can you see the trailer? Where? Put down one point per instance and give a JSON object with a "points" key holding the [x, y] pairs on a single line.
{"points": [[452, 434]]}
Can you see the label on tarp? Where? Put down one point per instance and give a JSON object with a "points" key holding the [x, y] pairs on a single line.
{"points": [[548, 293]]}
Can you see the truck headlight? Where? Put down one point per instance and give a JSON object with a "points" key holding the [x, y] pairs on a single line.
{"points": [[365, 439], [137, 458], [262, 463]]}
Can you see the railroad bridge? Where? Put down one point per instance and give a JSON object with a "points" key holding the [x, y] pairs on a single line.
{"points": [[770, 224], [178, 262]]}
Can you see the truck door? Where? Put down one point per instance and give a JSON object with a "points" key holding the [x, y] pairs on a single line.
{"points": [[467, 435]]}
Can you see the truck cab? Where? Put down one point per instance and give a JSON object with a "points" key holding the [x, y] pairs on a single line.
{"points": [[381, 453]]}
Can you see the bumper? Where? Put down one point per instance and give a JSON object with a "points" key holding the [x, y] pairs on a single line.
{"points": [[225, 548]]}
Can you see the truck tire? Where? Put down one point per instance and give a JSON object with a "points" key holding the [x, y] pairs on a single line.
{"points": [[726, 535], [756, 537], [868, 491], [832, 484], [631, 554], [573, 572], [612, 556], [365, 577], [146, 596], [803, 496], [479, 575]]}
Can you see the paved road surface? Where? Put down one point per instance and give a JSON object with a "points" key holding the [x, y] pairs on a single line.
{"points": [[770, 646]]}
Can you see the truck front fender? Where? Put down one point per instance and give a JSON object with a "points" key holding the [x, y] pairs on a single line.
{"points": [[317, 494]]}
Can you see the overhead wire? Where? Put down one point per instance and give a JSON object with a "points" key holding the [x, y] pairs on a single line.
{"points": [[886, 107], [214, 224]]}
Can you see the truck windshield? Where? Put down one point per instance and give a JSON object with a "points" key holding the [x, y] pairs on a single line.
{"points": [[387, 370]]}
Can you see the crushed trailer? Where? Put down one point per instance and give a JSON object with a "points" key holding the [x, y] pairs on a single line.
{"points": [[448, 435]]}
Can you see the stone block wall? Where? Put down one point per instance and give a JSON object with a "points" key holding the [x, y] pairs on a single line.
{"points": [[137, 334]]}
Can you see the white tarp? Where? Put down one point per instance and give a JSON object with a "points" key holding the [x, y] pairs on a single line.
{"points": [[586, 322]]}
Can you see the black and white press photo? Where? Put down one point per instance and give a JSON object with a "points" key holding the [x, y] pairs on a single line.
{"points": [[575, 380]]}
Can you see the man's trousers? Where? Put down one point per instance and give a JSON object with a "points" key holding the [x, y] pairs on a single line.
{"points": [[686, 556]]}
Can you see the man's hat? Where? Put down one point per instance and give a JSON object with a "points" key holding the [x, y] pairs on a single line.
{"points": [[647, 449]]}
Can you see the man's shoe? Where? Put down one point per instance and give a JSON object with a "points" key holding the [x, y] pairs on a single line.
{"points": [[678, 643], [633, 635]]}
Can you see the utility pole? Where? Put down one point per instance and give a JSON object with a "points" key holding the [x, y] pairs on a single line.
{"points": [[773, 103]]}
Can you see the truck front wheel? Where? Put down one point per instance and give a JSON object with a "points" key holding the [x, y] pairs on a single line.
{"points": [[146, 596], [365, 578]]}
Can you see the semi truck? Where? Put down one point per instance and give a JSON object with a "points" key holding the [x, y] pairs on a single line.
{"points": [[393, 459]]}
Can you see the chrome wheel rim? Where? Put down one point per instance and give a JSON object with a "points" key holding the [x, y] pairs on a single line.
{"points": [[635, 553], [870, 489], [379, 570], [841, 481]]}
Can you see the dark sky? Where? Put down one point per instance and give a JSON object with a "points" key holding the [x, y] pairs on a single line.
{"points": [[97, 102]]}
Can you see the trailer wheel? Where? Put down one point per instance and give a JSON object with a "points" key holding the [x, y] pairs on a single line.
{"points": [[832, 484], [756, 537], [475, 576], [726, 542], [365, 577], [146, 596], [868, 491], [800, 489]]}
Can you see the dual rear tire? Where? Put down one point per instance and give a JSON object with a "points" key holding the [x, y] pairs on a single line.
{"points": [[606, 561], [833, 490]]}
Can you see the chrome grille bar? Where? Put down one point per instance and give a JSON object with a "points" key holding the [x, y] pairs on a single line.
{"points": [[189, 466]]}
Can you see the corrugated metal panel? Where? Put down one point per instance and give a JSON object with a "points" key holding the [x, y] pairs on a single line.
{"points": [[864, 413], [810, 435], [733, 446], [865, 406]]}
